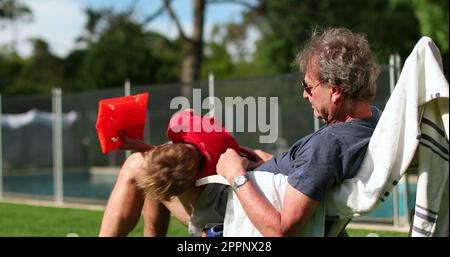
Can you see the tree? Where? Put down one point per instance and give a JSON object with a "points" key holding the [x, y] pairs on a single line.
{"points": [[93, 26], [433, 22], [124, 51], [286, 24], [10, 67], [73, 64], [217, 60], [192, 46], [225, 63], [40, 73], [13, 11]]}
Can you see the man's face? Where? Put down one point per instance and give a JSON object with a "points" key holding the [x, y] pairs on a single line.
{"points": [[319, 96]]}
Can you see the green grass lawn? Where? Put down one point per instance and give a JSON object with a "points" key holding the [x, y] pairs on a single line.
{"points": [[28, 220]]}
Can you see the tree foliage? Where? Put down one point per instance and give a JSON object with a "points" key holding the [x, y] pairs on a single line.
{"points": [[433, 22], [39, 73], [115, 46], [10, 67], [125, 51], [12, 11], [392, 26], [287, 24], [112, 48]]}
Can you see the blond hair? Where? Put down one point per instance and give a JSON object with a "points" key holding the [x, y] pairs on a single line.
{"points": [[168, 170]]}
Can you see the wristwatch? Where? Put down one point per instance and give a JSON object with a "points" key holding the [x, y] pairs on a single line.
{"points": [[239, 181]]}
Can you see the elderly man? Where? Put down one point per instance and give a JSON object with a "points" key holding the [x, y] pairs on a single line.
{"points": [[340, 73]]}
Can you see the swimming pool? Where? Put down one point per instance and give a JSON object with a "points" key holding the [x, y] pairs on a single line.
{"points": [[76, 185], [386, 209]]}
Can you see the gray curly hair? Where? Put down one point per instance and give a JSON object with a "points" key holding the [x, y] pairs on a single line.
{"points": [[344, 59]]}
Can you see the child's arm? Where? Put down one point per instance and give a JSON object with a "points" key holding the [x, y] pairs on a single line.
{"points": [[133, 144], [257, 155]]}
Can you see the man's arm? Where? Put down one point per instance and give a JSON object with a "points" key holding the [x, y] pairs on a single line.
{"points": [[297, 208]]}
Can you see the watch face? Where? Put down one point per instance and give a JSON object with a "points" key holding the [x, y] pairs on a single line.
{"points": [[240, 180]]}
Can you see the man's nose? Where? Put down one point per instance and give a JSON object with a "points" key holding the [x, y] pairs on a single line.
{"points": [[305, 95]]}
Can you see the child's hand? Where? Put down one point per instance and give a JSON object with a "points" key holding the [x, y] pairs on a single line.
{"points": [[255, 157], [133, 144]]}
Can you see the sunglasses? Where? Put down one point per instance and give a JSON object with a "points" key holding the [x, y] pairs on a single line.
{"points": [[307, 88]]}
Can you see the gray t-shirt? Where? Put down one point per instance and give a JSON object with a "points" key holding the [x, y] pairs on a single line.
{"points": [[324, 158]]}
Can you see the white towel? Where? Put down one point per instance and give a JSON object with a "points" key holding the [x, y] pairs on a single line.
{"points": [[431, 209], [236, 223], [272, 187]]}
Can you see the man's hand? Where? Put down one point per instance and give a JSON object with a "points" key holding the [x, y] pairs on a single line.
{"points": [[231, 165], [133, 144]]}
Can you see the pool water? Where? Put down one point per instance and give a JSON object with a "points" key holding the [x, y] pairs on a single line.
{"points": [[78, 185], [386, 208]]}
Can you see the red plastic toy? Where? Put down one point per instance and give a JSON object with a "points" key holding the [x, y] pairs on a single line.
{"points": [[126, 114]]}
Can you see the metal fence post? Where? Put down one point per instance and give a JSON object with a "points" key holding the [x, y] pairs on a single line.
{"points": [[316, 123], [211, 94], [395, 197], [398, 66], [229, 119], [1, 151], [57, 146], [392, 73], [127, 92]]}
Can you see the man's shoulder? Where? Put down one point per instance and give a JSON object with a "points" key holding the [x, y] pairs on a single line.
{"points": [[357, 125], [343, 134], [325, 138]]}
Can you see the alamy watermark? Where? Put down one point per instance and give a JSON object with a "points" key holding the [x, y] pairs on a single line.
{"points": [[260, 117]]}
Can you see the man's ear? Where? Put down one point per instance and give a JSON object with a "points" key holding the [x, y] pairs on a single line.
{"points": [[336, 94]]}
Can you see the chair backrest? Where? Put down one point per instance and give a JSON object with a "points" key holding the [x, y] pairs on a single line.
{"points": [[335, 226]]}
